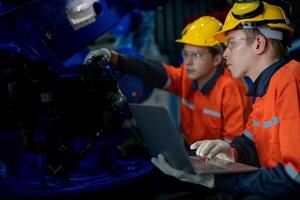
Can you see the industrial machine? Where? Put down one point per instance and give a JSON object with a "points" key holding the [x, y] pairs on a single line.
{"points": [[60, 124]]}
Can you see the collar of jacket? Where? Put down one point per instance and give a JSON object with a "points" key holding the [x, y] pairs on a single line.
{"points": [[211, 82], [260, 85]]}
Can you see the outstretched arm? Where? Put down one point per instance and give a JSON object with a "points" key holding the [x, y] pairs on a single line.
{"points": [[151, 72]]}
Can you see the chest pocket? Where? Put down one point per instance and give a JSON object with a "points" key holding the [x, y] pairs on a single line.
{"points": [[211, 118], [267, 141]]}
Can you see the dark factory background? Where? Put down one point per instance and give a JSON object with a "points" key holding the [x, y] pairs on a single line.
{"points": [[65, 128]]}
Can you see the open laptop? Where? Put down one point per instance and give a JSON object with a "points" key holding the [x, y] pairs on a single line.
{"points": [[161, 136]]}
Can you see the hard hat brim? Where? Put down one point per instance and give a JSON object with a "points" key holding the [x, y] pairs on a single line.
{"points": [[220, 36]]}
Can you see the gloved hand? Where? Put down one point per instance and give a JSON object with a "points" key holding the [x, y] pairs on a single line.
{"points": [[215, 148], [99, 56], [206, 180]]}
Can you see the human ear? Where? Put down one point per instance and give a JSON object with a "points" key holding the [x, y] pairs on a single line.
{"points": [[260, 44], [218, 59]]}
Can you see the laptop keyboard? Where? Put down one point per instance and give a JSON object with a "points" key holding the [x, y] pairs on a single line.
{"points": [[203, 166]]}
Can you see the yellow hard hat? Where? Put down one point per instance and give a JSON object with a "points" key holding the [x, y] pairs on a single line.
{"points": [[201, 31], [252, 14]]}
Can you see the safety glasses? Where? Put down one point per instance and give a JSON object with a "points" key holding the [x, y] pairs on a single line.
{"points": [[193, 54], [231, 42]]}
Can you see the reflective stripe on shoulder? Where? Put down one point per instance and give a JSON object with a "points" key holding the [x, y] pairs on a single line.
{"points": [[248, 134], [188, 104], [211, 112], [292, 172], [271, 122]]}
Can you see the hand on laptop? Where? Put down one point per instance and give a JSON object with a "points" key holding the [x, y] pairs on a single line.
{"points": [[214, 148], [206, 180]]}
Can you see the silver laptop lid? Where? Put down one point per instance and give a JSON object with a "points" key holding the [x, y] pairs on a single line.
{"points": [[161, 135]]}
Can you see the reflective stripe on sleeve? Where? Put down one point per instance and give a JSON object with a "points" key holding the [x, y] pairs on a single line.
{"points": [[248, 134], [274, 121], [212, 112], [266, 124], [255, 123], [188, 104], [291, 171]]}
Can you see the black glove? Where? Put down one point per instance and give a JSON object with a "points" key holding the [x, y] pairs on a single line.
{"points": [[99, 56]]}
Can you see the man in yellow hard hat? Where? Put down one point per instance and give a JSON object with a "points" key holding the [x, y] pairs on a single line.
{"points": [[213, 104], [257, 34]]}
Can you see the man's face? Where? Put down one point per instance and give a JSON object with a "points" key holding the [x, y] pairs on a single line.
{"points": [[238, 53], [199, 62]]}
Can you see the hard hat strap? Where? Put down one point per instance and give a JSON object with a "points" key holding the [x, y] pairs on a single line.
{"points": [[271, 33]]}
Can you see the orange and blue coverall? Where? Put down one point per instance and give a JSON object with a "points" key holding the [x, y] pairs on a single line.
{"points": [[272, 136], [218, 110]]}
